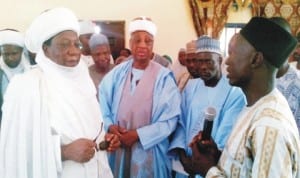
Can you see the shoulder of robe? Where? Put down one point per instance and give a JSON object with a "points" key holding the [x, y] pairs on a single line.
{"points": [[25, 82]]}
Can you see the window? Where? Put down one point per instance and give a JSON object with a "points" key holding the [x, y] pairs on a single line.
{"points": [[229, 30]]}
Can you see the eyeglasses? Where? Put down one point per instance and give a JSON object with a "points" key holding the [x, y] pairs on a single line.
{"points": [[67, 44]]}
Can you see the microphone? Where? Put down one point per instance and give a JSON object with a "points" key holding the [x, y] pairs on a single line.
{"points": [[209, 115]]}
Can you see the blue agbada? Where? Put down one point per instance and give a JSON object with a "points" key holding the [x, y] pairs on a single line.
{"points": [[196, 97], [153, 137]]}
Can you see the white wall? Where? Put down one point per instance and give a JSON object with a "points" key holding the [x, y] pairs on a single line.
{"points": [[173, 18]]}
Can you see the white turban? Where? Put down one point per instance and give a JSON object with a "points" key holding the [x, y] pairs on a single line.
{"points": [[48, 24], [86, 27], [12, 38], [142, 24]]}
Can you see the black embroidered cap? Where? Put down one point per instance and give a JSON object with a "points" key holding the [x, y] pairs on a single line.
{"points": [[270, 38]]}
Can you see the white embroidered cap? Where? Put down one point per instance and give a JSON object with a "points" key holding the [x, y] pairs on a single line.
{"points": [[11, 37], [142, 24], [208, 44]]}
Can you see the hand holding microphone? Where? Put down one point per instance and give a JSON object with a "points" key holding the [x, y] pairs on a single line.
{"points": [[209, 116], [205, 152]]}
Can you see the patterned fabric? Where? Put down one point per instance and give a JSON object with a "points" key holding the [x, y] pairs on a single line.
{"points": [[264, 142], [289, 86], [290, 10], [210, 16]]}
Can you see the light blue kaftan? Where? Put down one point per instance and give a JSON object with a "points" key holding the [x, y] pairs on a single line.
{"points": [[289, 86], [196, 97], [165, 114]]}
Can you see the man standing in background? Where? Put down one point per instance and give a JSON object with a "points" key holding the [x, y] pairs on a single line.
{"points": [[187, 73], [100, 52], [87, 29], [178, 66], [12, 60]]}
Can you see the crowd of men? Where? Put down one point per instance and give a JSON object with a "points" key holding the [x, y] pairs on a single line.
{"points": [[69, 111]]}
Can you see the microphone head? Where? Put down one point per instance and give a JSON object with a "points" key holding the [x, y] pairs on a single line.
{"points": [[210, 113]]}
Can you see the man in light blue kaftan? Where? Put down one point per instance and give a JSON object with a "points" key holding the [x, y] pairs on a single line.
{"points": [[140, 102], [212, 90], [288, 83]]}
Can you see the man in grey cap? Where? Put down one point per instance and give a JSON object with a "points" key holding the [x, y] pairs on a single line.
{"points": [[211, 90], [100, 52], [52, 124], [265, 139]]}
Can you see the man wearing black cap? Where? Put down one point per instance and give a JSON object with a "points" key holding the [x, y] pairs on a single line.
{"points": [[265, 140]]}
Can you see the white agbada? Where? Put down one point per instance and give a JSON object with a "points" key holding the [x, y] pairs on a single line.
{"points": [[45, 108]]}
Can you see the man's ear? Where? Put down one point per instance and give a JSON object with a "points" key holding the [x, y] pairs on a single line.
{"points": [[130, 43], [45, 49], [220, 60], [257, 59]]}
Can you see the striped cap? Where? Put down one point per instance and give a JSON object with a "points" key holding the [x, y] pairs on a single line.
{"points": [[208, 44]]}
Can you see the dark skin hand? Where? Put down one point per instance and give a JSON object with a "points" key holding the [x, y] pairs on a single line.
{"points": [[80, 150], [114, 142], [127, 137], [206, 157], [186, 161]]}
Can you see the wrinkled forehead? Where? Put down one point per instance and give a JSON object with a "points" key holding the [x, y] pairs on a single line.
{"points": [[191, 55], [208, 55], [141, 33]]}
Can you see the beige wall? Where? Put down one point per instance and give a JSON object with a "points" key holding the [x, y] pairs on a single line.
{"points": [[172, 17], [242, 15]]}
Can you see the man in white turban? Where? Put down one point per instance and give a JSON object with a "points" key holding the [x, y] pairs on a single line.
{"points": [[141, 104], [54, 129], [12, 60], [87, 29]]}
